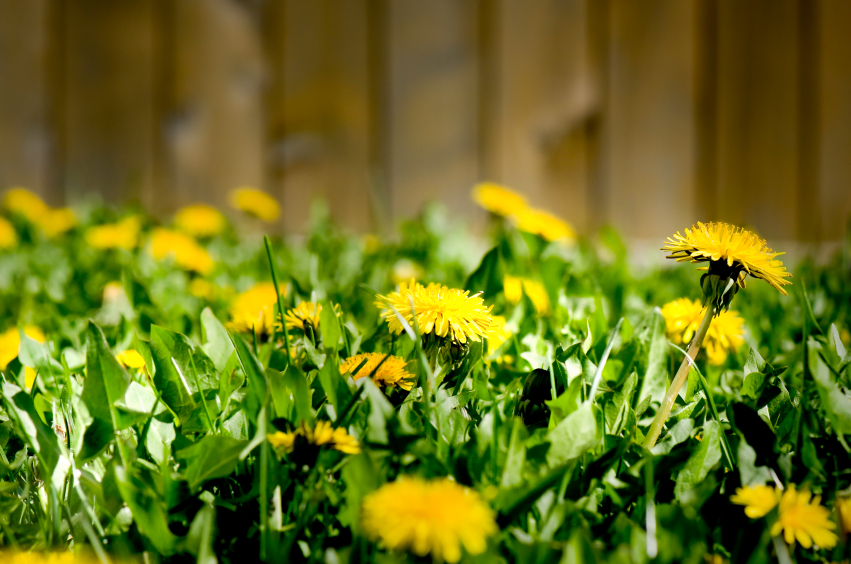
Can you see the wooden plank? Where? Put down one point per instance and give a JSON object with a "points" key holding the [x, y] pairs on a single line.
{"points": [[25, 135], [651, 117], [834, 198], [216, 129], [108, 113], [706, 109], [546, 92], [758, 116], [319, 138], [432, 105]]}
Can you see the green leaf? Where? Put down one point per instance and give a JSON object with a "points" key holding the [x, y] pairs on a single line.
{"points": [[170, 377], [291, 395], [836, 404], [380, 410], [566, 403], [201, 535], [676, 435], [329, 326], [652, 335], [255, 376], [702, 460], [214, 456], [515, 458], [488, 276], [335, 386], [105, 384], [578, 433], [29, 426], [217, 343], [148, 509]]}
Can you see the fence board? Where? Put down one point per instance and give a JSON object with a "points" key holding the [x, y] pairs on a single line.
{"points": [[432, 80], [25, 136], [108, 110]]}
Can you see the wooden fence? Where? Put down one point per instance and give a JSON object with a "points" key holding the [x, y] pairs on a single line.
{"points": [[648, 114]]}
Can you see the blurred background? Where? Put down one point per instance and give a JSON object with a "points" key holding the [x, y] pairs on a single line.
{"points": [[647, 115]]}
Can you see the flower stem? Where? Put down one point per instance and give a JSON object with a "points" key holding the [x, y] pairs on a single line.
{"points": [[680, 379]]}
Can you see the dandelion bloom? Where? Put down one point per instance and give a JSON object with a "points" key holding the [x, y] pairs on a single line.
{"points": [[184, 250], [131, 359], [498, 199], [48, 558], [8, 235], [200, 220], [497, 334], [438, 309], [725, 334], [843, 505], [321, 434], [25, 203], [302, 315], [385, 370], [255, 202], [254, 309], [804, 520], [121, 235], [203, 289], [10, 342], [514, 288], [548, 226], [758, 500], [742, 251], [55, 222], [435, 517]]}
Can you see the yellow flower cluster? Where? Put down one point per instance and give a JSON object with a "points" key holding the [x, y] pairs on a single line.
{"points": [[302, 315], [121, 235], [8, 235], [184, 250], [131, 359], [51, 221], [436, 517], [501, 201], [200, 220], [741, 250], [386, 370], [514, 288], [255, 202], [254, 309], [437, 309], [10, 342], [800, 517], [322, 434], [683, 317], [48, 558]]}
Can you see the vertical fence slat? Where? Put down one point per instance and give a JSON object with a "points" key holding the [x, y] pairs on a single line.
{"points": [[834, 198], [25, 140], [108, 105], [433, 126]]}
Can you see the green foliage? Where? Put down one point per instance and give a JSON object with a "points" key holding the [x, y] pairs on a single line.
{"points": [[173, 459]]}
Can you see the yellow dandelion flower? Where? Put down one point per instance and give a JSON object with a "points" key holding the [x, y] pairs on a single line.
{"points": [[282, 441], [804, 520], [498, 199], [758, 500], [725, 334], [254, 309], [497, 334], [843, 505], [10, 342], [390, 371], [435, 517], [548, 226], [719, 243], [438, 309], [55, 222], [25, 203], [200, 220], [121, 235], [131, 359], [47, 558], [321, 434], [305, 313], [184, 250], [8, 235], [514, 288], [203, 289], [255, 202]]}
